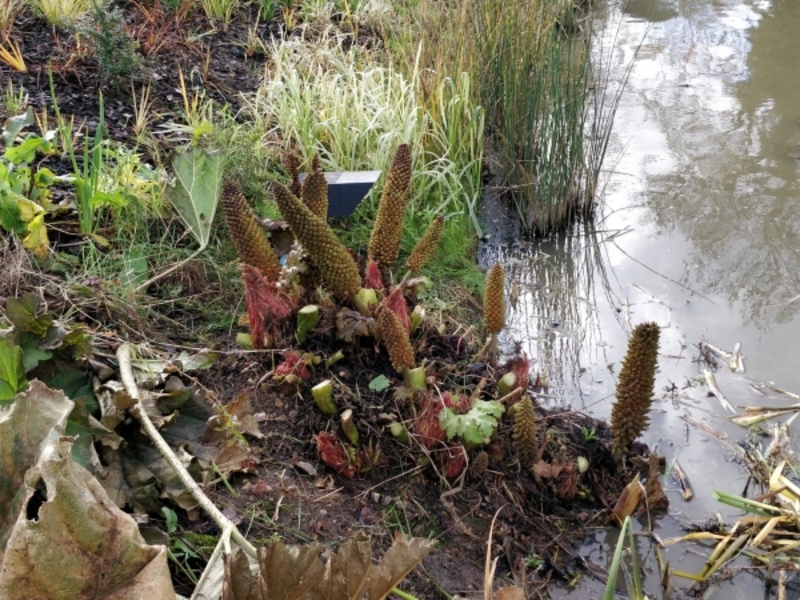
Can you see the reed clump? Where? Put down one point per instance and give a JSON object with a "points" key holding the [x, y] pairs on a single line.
{"points": [[530, 68]]}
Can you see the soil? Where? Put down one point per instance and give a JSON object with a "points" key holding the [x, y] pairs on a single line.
{"points": [[542, 516], [216, 63]]}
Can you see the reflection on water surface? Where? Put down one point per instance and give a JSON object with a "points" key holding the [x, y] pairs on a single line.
{"points": [[699, 231]]}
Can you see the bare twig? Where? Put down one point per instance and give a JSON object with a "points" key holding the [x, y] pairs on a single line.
{"points": [[138, 411]]}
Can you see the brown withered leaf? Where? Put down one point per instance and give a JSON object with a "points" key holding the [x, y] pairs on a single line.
{"points": [[656, 498], [628, 500], [233, 458], [300, 572], [239, 583], [351, 324], [547, 470], [348, 571], [510, 593], [34, 414], [291, 572], [238, 412], [399, 560], [71, 541]]}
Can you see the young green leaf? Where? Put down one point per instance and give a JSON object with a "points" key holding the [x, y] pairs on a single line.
{"points": [[380, 383], [474, 426], [25, 152], [12, 373]]}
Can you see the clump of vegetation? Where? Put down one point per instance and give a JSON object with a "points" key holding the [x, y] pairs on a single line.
{"points": [[634, 393], [104, 28], [360, 319], [62, 13], [530, 78]]}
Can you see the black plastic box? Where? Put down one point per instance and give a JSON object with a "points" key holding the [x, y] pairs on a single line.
{"points": [[346, 190]]}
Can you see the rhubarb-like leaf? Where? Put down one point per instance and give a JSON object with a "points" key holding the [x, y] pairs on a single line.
{"points": [[196, 194], [474, 426]]}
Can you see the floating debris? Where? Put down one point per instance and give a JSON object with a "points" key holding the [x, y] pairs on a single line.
{"points": [[712, 353], [714, 389], [761, 386], [756, 415], [705, 346], [680, 475], [704, 427], [737, 363]]}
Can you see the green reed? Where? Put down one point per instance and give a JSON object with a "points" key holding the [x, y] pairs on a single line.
{"points": [[530, 67]]}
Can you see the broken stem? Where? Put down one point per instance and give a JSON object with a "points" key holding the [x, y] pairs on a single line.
{"points": [[138, 411]]}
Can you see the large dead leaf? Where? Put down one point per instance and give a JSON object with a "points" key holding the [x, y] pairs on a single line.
{"points": [[70, 540], [348, 571], [399, 560], [34, 415], [290, 572], [301, 573]]}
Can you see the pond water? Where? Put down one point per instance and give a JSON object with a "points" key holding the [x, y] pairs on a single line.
{"points": [[698, 230]]}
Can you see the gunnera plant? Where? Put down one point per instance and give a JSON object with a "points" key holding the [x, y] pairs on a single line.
{"points": [[395, 337], [249, 238], [314, 191], [291, 163], [426, 246], [634, 393], [494, 308], [525, 432], [267, 303], [384, 241], [337, 267]]}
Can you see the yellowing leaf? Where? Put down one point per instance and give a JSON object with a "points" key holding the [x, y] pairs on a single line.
{"points": [[28, 210], [37, 241]]}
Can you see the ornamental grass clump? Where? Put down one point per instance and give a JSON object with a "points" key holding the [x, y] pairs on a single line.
{"points": [[337, 267], [634, 393]]}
